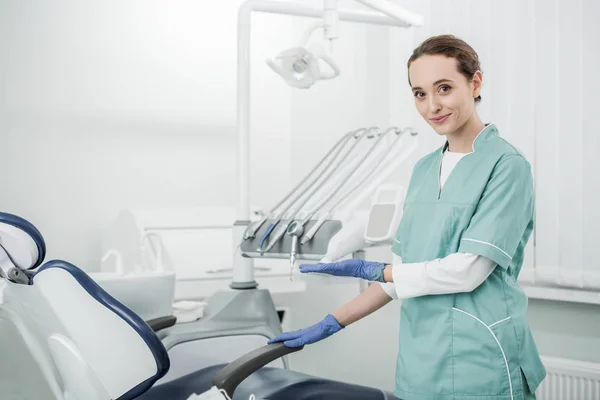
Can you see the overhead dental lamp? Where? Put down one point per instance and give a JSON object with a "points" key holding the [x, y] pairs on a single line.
{"points": [[305, 64], [300, 66]]}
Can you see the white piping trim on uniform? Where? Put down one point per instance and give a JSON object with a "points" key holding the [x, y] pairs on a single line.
{"points": [[489, 244], [499, 322], [397, 241], [440, 177], [497, 342], [479, 134]]}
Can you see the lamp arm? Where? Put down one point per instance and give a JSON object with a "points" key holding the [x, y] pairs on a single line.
{"points": [[392, 10]]}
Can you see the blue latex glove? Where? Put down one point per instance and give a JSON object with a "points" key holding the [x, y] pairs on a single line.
{"points": [[371, 271], [327, 327]]}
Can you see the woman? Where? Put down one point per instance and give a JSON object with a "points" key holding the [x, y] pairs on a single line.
{"points": [[458, 250]]}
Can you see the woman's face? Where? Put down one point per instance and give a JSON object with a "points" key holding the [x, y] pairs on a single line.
{"points": [[443, 96]]}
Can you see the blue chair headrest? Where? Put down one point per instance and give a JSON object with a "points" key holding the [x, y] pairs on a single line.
{"points": [[31, 230]]}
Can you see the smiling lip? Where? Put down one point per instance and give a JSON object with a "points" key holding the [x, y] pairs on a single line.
{"points": [[439, 120]]}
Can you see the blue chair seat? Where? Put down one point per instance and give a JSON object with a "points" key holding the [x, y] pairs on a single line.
{"points": [[266, 383]]}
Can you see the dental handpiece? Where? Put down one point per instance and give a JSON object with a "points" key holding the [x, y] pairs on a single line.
{"points": [[380, 161], [310, 234], [346, 177], [280, 230], [295, 230], [313, 230], [340, 182], [253, 228]]}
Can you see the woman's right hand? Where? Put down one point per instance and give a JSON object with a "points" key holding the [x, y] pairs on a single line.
{"points": [[319, 331]]}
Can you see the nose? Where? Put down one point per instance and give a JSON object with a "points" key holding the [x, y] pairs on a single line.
{"points": [[434, 104]]}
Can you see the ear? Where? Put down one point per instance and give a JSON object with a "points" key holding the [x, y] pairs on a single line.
{"points": [[477, 83]]}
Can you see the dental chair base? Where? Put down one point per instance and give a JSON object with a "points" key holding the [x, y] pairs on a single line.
{"points": [[234, 323]]}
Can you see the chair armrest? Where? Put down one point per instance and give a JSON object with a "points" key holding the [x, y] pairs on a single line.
{"points": [[234, 373], [161, 323]]}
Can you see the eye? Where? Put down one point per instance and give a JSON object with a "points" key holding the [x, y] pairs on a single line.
{"points": [[418, 94], [444, 89]]}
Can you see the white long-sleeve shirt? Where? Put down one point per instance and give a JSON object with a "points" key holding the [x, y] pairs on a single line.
{"points": [[456, 273]]}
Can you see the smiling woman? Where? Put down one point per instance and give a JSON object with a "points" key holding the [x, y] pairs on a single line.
{"points": [[458, 250], [446, 80]]}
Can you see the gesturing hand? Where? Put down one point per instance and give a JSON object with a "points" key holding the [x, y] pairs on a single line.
{"points": [[319, 331], [371, 271]]}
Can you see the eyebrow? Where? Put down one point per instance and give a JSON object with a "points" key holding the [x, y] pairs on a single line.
{"points": [[434, 83]]}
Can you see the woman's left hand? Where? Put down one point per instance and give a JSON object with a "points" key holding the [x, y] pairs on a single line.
{"points": [[369, 270]]}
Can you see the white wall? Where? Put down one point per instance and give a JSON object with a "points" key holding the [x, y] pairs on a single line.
{"points": [[131, 104]]}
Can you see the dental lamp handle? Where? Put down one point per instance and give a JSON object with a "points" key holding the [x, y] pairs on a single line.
{"points": [[276, 67], [332, 64]]}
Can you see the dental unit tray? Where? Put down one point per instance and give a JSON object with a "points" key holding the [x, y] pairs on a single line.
{"points": [[315, 249], [323, 217]]}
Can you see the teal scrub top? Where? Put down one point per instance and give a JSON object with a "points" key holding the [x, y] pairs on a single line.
{"points": [[475, 345]]}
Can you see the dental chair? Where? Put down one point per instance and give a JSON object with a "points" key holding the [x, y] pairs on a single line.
{"points": [[62, 337]]}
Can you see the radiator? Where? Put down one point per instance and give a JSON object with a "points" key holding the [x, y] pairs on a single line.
{"points": [[569, 380]]}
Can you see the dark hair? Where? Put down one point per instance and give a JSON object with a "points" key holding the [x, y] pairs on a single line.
{"points": [[453, 47]]}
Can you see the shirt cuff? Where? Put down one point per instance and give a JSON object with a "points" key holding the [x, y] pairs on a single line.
{"points": [[410, 280], [390, 289]]}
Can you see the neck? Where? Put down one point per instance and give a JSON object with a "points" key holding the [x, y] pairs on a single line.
{"points": [[461, 140]]}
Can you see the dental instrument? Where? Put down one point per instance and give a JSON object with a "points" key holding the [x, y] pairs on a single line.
{"points": [[346, 163], [345, 178], [281, 229], [273, 213], [309, 194], [385, 170], [290, 208], [295, 230], [356, 220], [278, 214], [337, 226], [352, 167]]}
